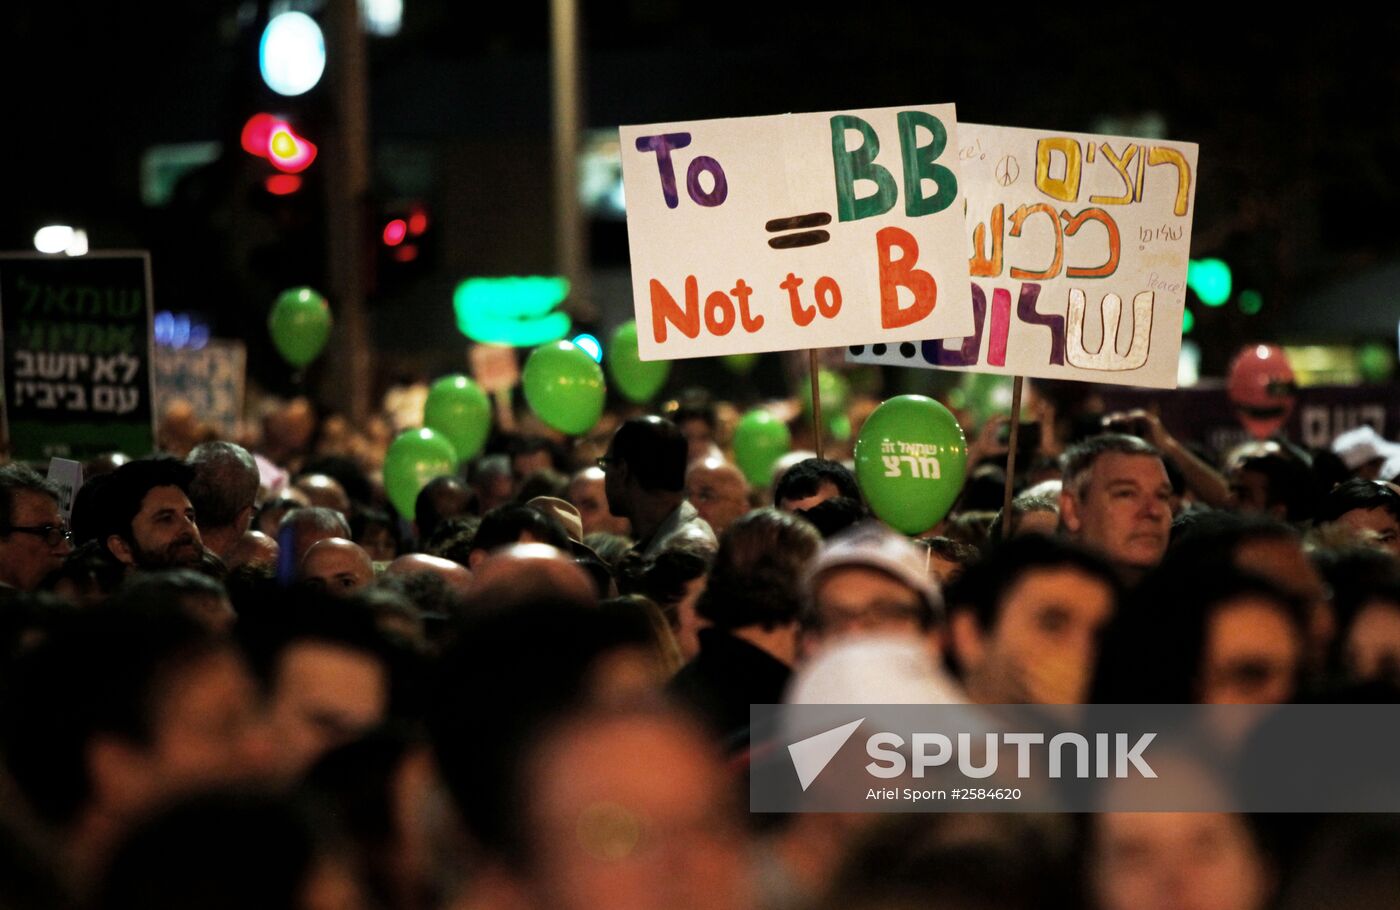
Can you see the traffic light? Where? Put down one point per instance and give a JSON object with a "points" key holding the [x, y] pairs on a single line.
{"points": [[404, 238]]}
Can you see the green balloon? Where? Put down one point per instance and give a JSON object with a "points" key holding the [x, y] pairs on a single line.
{"points": [[459, 410], [564, 387], [835, 393], [414, 458], [911, 459], [759, 441], [739, 364], [635, 379], [300, 323]]}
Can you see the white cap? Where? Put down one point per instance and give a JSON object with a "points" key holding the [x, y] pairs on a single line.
{"points": [[872, 545], [1363, 444]]}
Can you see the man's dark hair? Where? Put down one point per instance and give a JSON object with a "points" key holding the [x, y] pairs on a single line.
{"points": [[654, 451], [103, 674], [128, 485], [506, 524], [1358, 494], [222, 850], [518, 446], [452, 539], [1287, 482], [313, 518], [1021, 506], [663, 578], [1152, 653], [441, 498], [225, 482], [954, 551], [268, 629], [832, 516], [363, 518], [985, 584], [807, 476], [167, 591], [1079, 458], [508, 675], [757, 575], [14, 478]]}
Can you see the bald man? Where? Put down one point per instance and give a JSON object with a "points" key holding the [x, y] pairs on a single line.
{"points": [[718, 490], [588, 495], [325, 491], [336, 566], [522, 571], [457, 576]]}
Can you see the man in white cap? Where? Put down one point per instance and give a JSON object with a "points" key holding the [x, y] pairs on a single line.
{"points": [[1367, 454], [870, 580]]}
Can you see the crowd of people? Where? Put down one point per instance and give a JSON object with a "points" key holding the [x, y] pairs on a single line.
{"points": [[235, 677]]}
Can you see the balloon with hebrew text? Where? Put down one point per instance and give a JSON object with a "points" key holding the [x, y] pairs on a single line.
{"points": [[414, 458], [911, 459]]}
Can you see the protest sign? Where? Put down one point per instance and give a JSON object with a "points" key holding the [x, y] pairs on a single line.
{"points": [[77, 345], [211, 379], [796, 231], [67, 475], [1079, 247]]}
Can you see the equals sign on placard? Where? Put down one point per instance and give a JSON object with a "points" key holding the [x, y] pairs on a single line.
{"points": [[800, 224]]}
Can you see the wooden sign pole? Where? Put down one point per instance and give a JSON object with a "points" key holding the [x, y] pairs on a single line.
{"points": [[1011, 458]]}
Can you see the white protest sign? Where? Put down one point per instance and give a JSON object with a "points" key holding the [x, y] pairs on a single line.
{"points": [[796, 231], [67, 475], [1079, 246]]}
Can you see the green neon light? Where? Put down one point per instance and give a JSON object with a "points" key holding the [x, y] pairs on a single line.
{"points": [[1210, 279], [516, 311]]}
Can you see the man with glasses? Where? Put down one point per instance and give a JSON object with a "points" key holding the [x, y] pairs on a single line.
{"points": [[34, 538], [871, 581], [644, 479]]}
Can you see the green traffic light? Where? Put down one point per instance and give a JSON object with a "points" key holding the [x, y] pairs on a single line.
{"points": [[1251, 302], [1188, 322], [1210, 279]]}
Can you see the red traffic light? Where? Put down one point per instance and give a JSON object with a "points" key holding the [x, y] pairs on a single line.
{"points": [[273, 138]]}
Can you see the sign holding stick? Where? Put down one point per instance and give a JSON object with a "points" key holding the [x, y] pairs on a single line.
{"points": [[1078, 250], [796, 231]]}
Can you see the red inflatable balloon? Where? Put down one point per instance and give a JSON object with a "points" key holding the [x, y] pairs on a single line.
{"points": [[1262, 389]]}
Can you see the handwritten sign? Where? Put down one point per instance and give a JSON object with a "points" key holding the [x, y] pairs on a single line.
{"points": [[1078, 254], [796, 231], [76, 346], [211, 379]]}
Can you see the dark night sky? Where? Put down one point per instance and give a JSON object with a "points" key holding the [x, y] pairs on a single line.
{"points": [[1298, 123]]}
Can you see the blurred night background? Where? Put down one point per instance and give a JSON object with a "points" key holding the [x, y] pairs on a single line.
{"points": [[124, 121]]}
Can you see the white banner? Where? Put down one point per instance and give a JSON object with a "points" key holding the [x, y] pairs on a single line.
{"points": [[796, 231], [1079, 248]]}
